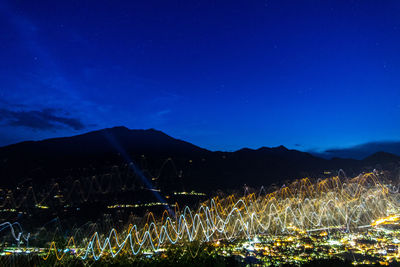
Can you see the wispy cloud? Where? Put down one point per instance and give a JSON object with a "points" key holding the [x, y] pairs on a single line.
{"points": [[361, 151], [46, 119]]}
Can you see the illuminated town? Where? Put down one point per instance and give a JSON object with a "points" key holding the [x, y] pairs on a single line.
{"points": [[354, 220]]}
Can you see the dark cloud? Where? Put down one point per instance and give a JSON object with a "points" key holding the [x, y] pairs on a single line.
{"points": [[363, 150], [45, 119]]}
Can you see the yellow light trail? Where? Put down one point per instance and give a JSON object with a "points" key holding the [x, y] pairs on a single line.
{"points": [[301, 207]]}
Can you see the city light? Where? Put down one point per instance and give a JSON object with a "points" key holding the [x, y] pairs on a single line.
{"points": [[332, 214]]}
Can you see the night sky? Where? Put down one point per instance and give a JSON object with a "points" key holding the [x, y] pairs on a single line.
{"points": [[310, 75]]}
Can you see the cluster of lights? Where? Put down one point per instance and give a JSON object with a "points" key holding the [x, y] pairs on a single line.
{"points": [[41, 206], [151, 204], [192, 193], [302, 207]]}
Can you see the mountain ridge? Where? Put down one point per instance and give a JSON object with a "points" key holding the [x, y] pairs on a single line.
{"points": [[204, 169]]}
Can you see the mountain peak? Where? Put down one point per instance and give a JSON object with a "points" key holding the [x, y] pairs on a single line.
{"points": [[118, 128], [280, 148], [124, 131]]}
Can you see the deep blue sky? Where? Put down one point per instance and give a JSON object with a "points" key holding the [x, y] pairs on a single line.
{"points": [[220, 74]]}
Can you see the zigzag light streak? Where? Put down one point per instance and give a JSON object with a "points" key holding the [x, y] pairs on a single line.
{"points": [[300, 207], [19, 236]]}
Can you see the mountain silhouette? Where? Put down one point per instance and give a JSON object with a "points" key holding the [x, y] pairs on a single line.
{"points": [[200, 169]]}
